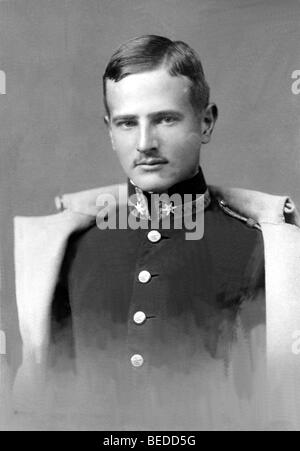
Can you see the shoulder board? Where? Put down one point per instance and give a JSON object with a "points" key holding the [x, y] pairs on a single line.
{"points": [[248, 221]]}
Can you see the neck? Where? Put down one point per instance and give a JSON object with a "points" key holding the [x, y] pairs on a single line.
{"points": [[194, 185], [189, 190]]}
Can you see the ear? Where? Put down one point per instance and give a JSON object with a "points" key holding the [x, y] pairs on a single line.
{"points": [[209, 117], [106, 120], [107, 123]]}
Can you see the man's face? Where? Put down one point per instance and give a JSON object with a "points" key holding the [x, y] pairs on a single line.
{"points": [[154, 128]]}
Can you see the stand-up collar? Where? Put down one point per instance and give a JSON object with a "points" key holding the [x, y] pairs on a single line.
{"points": [[192, 189]]}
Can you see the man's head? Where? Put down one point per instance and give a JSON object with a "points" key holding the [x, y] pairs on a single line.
{"points": [[157, 110]]}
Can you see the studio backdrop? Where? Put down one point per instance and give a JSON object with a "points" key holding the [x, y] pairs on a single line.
{"points": [[53, 138]]}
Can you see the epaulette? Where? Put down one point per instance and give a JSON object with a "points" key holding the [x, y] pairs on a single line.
{"points": [[248, 221]]}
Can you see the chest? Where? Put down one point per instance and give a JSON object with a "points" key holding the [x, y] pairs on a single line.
{"points": [[156, 291]]}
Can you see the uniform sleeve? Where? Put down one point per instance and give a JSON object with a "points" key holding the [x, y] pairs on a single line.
{"points": [[62, 355]]}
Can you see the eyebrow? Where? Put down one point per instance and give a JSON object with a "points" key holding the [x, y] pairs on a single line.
{"points": [[157, 114]]}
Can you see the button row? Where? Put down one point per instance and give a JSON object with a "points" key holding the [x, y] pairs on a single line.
{"points": [[137, 360]]}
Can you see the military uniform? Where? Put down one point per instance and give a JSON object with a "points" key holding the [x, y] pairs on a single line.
{"points": [[157, 326]]}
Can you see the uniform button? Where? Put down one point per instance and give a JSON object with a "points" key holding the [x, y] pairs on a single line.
{"points": [[144, 276], [154, 236], [139, 317], [137, 360]]}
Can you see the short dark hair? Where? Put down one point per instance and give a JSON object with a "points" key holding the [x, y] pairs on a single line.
{"points": [[148, 52]]}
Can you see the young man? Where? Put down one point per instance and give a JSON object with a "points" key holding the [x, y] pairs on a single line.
{"points": [[162, 332]]}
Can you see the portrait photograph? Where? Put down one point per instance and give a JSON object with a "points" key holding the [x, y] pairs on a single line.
{"points": [[149, 217]]}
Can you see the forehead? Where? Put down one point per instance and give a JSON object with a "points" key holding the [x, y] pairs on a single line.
{"points": [[148, 91]]}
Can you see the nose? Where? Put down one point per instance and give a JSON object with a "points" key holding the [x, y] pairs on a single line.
{"points": [[146, 140]]}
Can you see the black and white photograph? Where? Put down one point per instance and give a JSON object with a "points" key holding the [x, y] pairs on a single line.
{"points": [[149, 217]]}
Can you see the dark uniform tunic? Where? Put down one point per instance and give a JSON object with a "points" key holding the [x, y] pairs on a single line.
{"points": [[154, 321]]}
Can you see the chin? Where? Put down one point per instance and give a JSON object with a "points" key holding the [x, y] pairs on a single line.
{"points": [[153, 183]]}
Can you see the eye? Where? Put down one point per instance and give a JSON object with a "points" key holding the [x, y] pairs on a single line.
{"points": [[168, 120], [126, 124]]}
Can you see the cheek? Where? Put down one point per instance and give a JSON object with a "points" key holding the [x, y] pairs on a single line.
{"points": [[185, 135], [124, 149], [193, 140], [184, 145], [123, 141]]}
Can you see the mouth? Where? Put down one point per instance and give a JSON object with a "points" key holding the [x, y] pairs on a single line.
{"points": [[151, 162]]}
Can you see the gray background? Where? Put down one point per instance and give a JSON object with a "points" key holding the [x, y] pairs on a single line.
{"points": [[52, 136]]}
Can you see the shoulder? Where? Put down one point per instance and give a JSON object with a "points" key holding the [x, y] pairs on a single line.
{"points": [[104, 246], [235, 247], [231, 233], [256, 207], [79, 239], [220, 215]]}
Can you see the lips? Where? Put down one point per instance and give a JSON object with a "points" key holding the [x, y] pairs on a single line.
{"points": [[151, 162]]}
